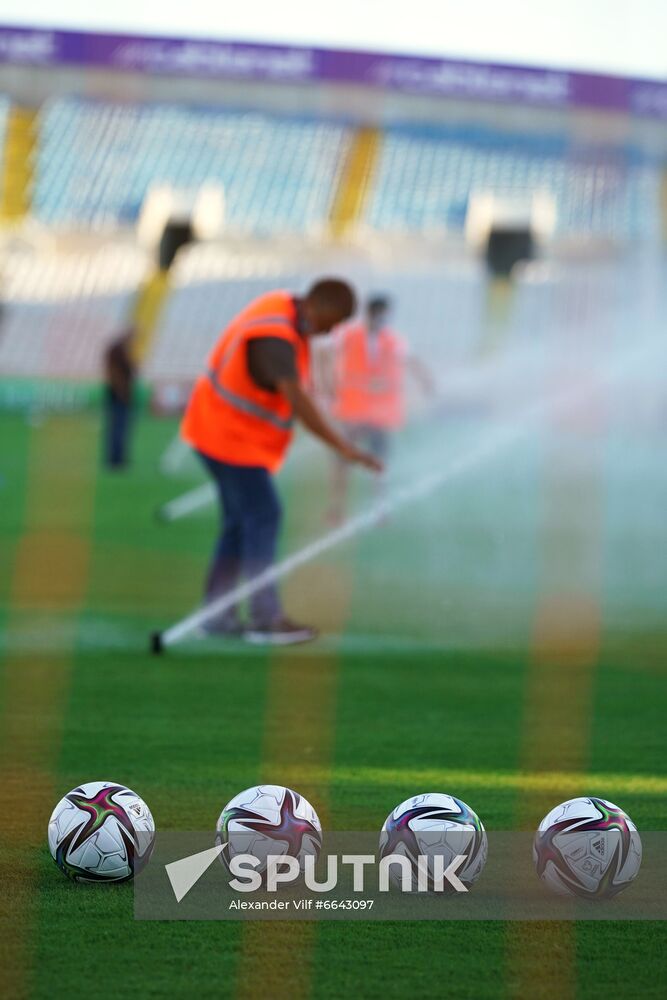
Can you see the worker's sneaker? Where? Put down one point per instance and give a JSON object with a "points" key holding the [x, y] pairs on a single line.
{"points": [[229, 626], [280, 632]]}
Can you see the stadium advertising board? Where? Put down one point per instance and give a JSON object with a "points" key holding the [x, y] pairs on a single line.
{"points": [[295, 64]]}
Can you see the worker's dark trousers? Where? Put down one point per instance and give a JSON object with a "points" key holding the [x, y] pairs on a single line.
{"points": [[251, 517], [117, 424]]}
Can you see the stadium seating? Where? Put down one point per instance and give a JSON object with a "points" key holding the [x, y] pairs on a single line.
{"points": [[439, 309], [424, 181], [97, 162], [62, 309]]}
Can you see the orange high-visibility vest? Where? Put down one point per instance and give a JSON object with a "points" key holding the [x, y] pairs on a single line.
{"points": [[369, 378], [229, 417]]}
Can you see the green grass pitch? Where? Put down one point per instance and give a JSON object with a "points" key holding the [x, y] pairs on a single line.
{"points": [[424, 670]]}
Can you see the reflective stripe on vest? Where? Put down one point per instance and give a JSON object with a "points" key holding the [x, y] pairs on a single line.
{"points": [[247, 406], [239, 402]]}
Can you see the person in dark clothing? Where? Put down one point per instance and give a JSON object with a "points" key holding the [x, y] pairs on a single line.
{"points": [[120, 376]]}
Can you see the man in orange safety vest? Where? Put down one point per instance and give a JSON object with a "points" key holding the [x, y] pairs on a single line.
{"points": [[240, 421]]}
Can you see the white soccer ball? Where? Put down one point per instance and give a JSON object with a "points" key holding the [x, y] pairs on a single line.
{"points": [[101, 832], [269, 819], [435, 825], [587, 847]]}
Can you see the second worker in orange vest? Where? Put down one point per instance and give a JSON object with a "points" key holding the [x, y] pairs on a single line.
{"points": [[367, 388], [240, 419]]}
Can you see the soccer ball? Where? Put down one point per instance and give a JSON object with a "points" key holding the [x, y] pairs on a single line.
{"points": [[435, 825], [101, 832], [587, 847], [269, 819]]}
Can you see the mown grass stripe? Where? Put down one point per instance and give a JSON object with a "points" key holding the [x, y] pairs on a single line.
{"points": [[565, 652], [606, 784], [300, 718], [50, 572]]}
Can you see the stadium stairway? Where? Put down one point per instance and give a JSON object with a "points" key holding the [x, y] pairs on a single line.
{"points": [[354, 182], [21, 138], [147, 312]]}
